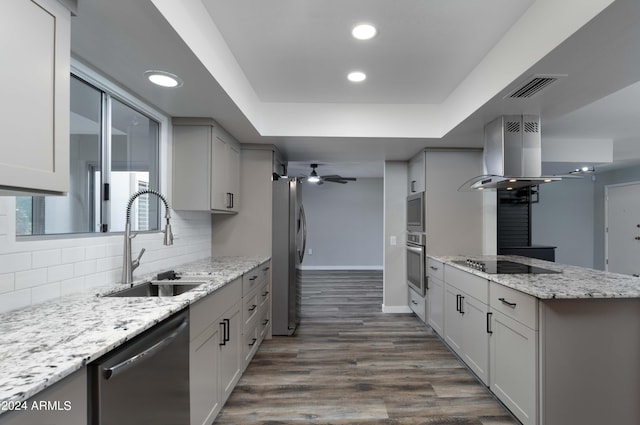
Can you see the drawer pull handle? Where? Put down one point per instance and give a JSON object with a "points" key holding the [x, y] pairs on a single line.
{"points": [[433, 268], [253, 342], [264, 294], [265, 322], [253, 278], [253, 307], [512, 305], [413, 302], [461, 299], [489, 331], [266, 269]]}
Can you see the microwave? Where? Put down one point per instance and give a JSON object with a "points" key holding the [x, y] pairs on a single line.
{"points": [[416, 204]]}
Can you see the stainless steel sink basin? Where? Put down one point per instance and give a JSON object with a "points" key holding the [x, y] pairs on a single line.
{"points": [[158, 289]]}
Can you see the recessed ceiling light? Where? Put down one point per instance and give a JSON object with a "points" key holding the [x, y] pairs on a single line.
{"points": [[164, 79], [357, 76], [364, 31]]}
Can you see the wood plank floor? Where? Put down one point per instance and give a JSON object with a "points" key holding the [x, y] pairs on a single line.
{"points": [[348, 363]]}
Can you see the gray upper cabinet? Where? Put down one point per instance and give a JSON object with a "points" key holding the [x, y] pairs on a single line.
{"points": [[34, 115], [417, 173], [206, 167]]}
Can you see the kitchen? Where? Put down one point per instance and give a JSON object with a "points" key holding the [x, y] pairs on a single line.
{"points": [[68, 265]]}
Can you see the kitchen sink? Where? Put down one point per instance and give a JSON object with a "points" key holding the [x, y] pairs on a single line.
{"points": [[158, 288]]}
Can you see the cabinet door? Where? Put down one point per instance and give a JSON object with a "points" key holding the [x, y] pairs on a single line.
{"points": [[435, 310], [514, 367], [417, 304], [476, 339], [453, 332], [233, 177], [203, 376], [191, 167], [220, 195], [34, 114], [417, 172], [231, 351]]}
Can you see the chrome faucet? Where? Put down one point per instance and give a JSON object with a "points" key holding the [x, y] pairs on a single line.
{"points": [[129, 265]]}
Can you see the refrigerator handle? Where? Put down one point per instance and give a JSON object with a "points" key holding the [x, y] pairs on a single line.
{"points": [[304, 233]]}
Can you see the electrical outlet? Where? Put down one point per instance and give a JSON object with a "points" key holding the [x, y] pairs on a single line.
{"points": [[393, 241], [310, 251]]}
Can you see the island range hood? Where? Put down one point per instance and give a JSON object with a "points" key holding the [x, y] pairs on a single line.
{"points": [[512, 155]]}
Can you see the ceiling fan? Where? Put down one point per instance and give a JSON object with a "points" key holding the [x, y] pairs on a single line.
{"points": [[313, 177]]}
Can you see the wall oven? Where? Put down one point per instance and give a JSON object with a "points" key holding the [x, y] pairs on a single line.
{"points": [[416, 212], [416, 261]]}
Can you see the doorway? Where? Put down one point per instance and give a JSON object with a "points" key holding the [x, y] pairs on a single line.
{"points": [[622, 228]]}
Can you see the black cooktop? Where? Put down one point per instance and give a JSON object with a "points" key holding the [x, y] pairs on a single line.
{"points": [[504, 267]]}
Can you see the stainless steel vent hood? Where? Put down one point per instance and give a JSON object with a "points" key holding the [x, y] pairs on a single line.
{"points": [[512, 154]]}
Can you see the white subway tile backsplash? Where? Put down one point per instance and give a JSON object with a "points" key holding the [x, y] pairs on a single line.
{"points": [[7, 282], [44, 293], [72, 286], [15, 299], [4, 225], [59, 273], [46, 258], [96, 279], [15, 262], [33, 271], [72, 255], [31, 278], [109, 263], [95, 251], [84, 268]]}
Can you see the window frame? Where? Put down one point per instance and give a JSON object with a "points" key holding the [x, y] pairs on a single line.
{"points": [[114, 91]]}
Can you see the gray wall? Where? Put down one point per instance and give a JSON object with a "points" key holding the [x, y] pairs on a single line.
{"points": [[345, 224], [564, 217], [395, 218]]}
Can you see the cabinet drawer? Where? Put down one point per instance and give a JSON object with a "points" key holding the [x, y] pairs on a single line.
{"points": [[435, 269], [251, 280], [250, 305], [208, 309], [264, 295], [515, 304], [417, 304], [250, 343], [473, 285]]}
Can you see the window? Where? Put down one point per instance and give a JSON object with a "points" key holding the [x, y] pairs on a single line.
{"points": [[114, 151]]}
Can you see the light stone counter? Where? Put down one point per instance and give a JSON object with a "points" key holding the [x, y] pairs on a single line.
{"points": [[572, 283], [41, 344]]}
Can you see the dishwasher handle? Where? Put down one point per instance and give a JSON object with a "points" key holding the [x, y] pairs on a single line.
{"points": [[122, 366]]}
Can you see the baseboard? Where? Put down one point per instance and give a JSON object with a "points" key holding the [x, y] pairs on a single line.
{"points": [[380, 268], [396, 309]]}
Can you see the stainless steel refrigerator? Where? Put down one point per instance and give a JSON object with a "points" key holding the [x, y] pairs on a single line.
{"points": [[289, 240]]}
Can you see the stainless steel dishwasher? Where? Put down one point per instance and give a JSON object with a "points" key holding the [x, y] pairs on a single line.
{"points": [[146, 381]]}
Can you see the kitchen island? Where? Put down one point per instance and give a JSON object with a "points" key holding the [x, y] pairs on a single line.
{"points": [[557, 344], [43, 344]]}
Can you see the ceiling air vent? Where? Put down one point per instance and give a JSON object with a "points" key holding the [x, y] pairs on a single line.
{"points": [[533, 86]]}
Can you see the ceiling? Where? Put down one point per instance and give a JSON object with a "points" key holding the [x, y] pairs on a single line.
{"points": [[274, 71]]}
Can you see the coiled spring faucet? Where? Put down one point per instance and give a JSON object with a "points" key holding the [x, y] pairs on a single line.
{"points": [[129, 265]]}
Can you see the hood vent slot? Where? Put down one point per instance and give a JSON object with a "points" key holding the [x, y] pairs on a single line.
{"points": [[532, 87]]}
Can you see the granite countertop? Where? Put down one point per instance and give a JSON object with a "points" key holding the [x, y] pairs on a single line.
{"points": [[41, 344], [572, 283]]}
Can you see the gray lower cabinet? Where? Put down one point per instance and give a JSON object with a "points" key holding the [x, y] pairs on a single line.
{"points": [[222, 345], [215, 351], [550, 361], [63, 403], [514, 366], [465, 309]]}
